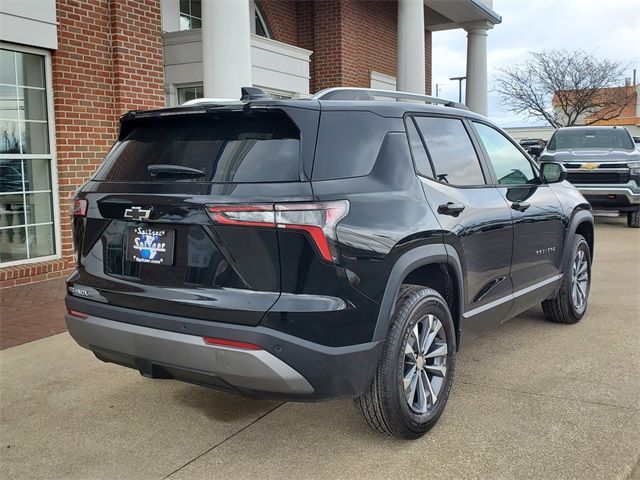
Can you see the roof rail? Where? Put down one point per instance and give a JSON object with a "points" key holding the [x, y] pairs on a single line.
{"points": [[351, 93]]}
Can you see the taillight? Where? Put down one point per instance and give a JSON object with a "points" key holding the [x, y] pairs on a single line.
{"points": [[79, 207], [318, 219]]}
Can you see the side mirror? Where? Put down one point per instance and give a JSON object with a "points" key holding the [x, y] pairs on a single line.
{"points": [[552, 172], [636, 140]]}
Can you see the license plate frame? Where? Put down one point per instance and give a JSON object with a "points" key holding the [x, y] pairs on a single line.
{"points": [[152, 245]]}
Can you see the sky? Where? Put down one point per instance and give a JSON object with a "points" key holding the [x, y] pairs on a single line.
{"points": [[605, 28]]}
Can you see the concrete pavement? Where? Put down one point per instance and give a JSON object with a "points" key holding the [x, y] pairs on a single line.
{"points": [[530, 400]]}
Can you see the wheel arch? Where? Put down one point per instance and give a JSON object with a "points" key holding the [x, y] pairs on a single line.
{"points": [[581, 222], [433, 266]]}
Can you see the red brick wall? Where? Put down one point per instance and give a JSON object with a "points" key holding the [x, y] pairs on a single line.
{"points": [[281, 17], [349, 38], [109, 60]]}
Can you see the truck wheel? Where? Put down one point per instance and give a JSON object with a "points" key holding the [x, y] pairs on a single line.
{"points": [[633, 219], [414, 375], [570, 303]]}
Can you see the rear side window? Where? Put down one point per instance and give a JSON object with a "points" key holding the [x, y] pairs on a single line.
{"points": [[451, 152], [348, 144], [229, 148]]}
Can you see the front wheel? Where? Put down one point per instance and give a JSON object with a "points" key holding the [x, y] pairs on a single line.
{"points": [[412, 383], [633, 219], [570, 303]]}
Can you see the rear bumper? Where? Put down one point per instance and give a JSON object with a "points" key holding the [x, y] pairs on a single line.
{"points": [[612, 197], [285, 367]]}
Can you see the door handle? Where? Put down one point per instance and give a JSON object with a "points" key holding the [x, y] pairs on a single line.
{"points": [[450, 208], [520, 206]]}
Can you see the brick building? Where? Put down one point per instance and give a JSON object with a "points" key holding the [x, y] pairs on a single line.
{"points": [[70, 68]]}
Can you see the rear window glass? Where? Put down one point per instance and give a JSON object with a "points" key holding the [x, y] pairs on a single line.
{"points": [[348, 144], [228, 148]]}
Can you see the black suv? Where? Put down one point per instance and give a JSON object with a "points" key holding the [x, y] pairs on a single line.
{"points": [[341, 245]]}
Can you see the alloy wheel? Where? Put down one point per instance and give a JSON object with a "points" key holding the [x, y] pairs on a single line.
{"points": [[579, 280], [425, 364]]}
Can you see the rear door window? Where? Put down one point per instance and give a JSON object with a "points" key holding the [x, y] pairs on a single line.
{"points": [[229, 148], [451, 151]]}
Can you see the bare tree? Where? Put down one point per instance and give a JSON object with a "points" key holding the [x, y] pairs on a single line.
{"points": [[565, 88]]}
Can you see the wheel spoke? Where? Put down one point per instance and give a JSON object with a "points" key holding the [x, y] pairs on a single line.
{"points": [[582, 268], [416, 337], [427, 325], [435, 328], [422, 403], [408, 378], [410, 387], [440, 351], [425, 379], [440, 370], [410, 354]]}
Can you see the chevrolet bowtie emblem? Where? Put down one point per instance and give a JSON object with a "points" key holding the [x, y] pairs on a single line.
{"points": [[137, 213], [589, 166]]}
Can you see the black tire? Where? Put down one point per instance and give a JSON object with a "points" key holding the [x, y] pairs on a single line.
{"points": [[563, 308], [385, 407], [633, 219]]}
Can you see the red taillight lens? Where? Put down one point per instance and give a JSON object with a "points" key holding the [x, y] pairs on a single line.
{"points": [[76, 313], [223, 342], [79, 207], [246, 215], [318, 219]]}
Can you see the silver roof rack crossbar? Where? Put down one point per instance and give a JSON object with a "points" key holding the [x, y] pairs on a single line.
{"points": [[354, 93]]}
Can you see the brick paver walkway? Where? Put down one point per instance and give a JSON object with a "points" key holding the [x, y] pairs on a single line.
{"points": [[30, 312]]}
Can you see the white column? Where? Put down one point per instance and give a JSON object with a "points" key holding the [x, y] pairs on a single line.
{"points": [[410, 64], [226, 47], [170, 10], [476, 89]]}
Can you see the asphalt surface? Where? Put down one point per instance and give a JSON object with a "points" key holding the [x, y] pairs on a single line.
{"points": [[531, 399]]}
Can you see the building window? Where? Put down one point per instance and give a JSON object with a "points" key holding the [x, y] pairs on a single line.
{"points": [[189, 93], [259, 25], [190, 14], [27, 202], [191, 17]]}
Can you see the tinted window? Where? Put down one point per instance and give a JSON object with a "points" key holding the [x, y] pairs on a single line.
{"points": [[417, 149], [348, 144], [510, 165], [231, 148], [451, 151], [590, 138]]}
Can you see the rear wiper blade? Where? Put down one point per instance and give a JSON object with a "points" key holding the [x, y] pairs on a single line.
{"points": [[161, 169]]}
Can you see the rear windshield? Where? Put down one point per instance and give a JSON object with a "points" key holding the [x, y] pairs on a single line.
{"points": [[231, 147], [586, 138]]}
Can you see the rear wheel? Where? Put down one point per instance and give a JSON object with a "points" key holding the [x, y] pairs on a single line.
{"points": [[412, 383], [633, 219], [570, 303]]}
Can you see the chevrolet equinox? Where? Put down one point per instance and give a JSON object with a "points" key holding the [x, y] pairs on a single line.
{"points": [[342, 245]]}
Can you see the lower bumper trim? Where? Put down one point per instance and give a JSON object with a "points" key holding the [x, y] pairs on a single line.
{"points": [[168, 352]]}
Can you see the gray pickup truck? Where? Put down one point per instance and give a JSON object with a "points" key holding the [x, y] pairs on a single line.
{"points": [[603, 163]]}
